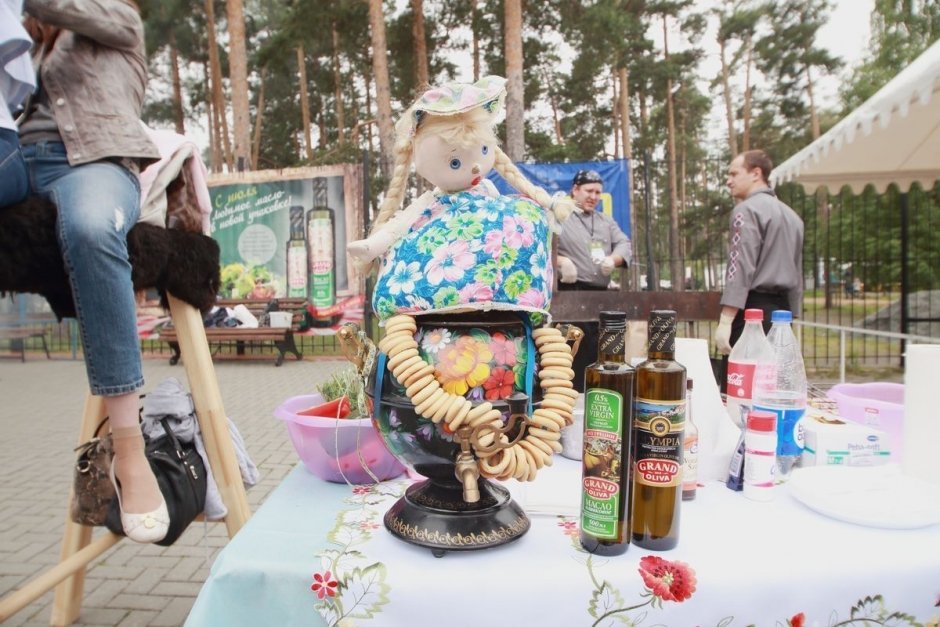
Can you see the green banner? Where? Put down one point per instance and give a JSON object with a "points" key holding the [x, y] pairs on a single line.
{"points": [[278, 236]]}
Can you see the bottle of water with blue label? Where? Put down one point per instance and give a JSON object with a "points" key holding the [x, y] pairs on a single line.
{"points": [[780, 387]]}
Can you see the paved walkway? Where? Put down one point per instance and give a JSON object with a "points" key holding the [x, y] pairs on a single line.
{"points": [[131, 584]]}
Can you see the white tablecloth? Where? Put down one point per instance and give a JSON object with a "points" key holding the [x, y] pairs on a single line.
{"points": [[738, 562]]}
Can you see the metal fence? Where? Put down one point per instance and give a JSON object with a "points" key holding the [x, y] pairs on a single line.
{"points": [[861, 253]]}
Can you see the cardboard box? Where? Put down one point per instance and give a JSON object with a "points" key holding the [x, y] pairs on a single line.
{"points": [[829, 440]]}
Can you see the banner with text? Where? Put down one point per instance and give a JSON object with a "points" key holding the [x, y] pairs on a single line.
{"points": [[279, 232]]}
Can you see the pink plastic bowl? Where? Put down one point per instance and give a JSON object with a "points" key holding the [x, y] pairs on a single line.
{"points": [[331, 448], [879, 405]]}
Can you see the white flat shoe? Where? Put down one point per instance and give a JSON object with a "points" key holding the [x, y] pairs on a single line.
{"points": [[144, 528]]}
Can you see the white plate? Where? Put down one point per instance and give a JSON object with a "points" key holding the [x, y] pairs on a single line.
{"points": [[874, 496]]}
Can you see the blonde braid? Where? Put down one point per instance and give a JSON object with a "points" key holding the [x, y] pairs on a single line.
{"points": [[396, 187], [561, 207]]}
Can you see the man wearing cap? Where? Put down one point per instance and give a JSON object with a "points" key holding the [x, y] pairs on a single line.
{"points": [[589, 247], [765, 252], [591, 244]]}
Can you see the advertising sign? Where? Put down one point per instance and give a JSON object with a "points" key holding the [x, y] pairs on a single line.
{"points": [[279, 232]]}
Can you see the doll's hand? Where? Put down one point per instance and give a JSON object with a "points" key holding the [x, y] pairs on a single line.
{"points": [[566, 270], [607, 265]]}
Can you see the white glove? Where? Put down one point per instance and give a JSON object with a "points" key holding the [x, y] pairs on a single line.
{"points": [[566, 270], [723, 334], [607, 265]]}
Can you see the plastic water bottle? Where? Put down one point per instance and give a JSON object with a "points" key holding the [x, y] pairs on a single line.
{"points": [[751, 349], [780, 387]]}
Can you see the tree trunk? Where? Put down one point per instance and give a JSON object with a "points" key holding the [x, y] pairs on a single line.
{"points": [[615, 114], [515, 99], [218, 99], [746, 139], [729, 111], [177, 86], [338, 88], [421, 47], [675, 259], [259, 119], [813, 114], [304, 101], [215, 151], [474, 26], [238, 69], [383, 92], [623, 75]]}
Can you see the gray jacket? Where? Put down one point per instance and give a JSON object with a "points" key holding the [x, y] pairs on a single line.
{"points": [[765, 253], [95, 77]]}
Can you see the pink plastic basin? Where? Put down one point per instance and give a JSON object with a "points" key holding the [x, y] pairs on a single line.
{"points": [[879, 405], [337, 450]]}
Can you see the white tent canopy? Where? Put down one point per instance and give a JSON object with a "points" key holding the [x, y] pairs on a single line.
{"points": [[893, 137]]}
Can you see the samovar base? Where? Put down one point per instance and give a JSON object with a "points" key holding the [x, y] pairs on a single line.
{"points": [[435, 516]]}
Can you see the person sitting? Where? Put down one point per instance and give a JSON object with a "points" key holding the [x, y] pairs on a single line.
{"points": [[84, 146]]}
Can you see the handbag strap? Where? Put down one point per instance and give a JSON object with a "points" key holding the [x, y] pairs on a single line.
{"points": [[176, 443]]}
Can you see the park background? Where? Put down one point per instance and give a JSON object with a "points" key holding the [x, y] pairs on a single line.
{"points": [[676, 88]]}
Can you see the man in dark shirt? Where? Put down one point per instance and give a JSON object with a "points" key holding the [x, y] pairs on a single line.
{"points": [[765, 252]]}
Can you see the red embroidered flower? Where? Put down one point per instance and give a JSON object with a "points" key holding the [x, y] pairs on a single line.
{"points": [[361, 489], [797, 621], [670, 581], [324, 584], [499, 385], [569, 528]]}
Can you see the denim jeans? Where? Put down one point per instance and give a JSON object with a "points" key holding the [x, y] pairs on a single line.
{"points": [[98, 204], [15, 182]]}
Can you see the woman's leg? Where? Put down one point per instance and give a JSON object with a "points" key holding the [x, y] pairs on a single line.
{"points": [[98, 204]]}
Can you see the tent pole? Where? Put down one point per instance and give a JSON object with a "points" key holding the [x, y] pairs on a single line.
{"points": [[905, 270]]}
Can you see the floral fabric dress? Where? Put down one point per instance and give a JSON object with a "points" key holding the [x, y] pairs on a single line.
{"points": [[469, 251]]}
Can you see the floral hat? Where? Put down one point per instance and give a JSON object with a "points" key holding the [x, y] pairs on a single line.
{"points": [[452, 98]]}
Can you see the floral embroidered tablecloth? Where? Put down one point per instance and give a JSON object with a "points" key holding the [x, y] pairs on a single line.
{"points": [[317, 553]]}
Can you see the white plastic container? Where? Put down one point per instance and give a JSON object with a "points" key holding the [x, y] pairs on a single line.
{"points": [[280, 319], [760, 460]]}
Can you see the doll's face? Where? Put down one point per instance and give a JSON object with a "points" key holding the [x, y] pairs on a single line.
{"points": [[449, 167]]}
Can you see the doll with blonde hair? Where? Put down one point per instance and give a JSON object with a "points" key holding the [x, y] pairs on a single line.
{"points": [[461, 246], [464, 247]]}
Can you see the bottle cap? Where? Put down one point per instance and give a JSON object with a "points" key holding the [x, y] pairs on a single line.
{"points": [[613, 316], [758, 420], [754, 314], [781, 315], [662, 331]]}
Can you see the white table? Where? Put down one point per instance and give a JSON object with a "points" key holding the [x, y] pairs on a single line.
{"points": [[753, 563]]}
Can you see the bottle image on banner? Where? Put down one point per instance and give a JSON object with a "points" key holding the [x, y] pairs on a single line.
{"points": [[297, 255], [780, 388], [605, 458], [658, 429], [322, 282], [750, 350]]}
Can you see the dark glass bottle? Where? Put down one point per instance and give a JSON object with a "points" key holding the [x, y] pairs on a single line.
{"points": [[605, 459], [658, 423]]}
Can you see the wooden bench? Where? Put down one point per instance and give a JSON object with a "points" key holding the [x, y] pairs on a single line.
{"points": [[282, 338], [17, 337]]}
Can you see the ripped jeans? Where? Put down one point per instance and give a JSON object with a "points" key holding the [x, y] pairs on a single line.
{"points": [[98, 204]]}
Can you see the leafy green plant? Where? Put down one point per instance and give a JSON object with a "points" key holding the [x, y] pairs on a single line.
{"points": [[345, 382]]}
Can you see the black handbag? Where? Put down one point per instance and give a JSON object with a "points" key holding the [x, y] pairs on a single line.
{"points": [[93, 491], [181, 475]]}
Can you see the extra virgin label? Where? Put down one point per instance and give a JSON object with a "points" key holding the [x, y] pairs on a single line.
{"points": [[601, 491], [658, 429]]}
